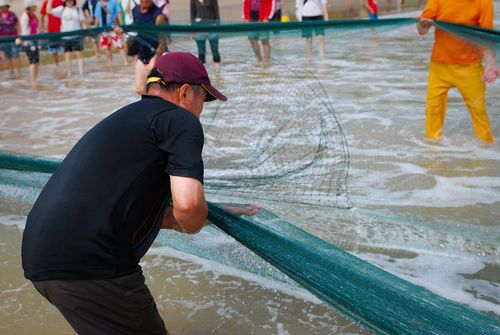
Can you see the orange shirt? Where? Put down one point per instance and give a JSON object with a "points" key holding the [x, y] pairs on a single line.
{"points": [[451, 49]]}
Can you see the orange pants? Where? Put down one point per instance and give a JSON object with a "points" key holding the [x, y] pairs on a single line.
{"points": [[467, 79]]}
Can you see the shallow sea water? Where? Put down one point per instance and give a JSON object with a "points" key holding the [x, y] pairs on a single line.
{"points": [[426, 212]]}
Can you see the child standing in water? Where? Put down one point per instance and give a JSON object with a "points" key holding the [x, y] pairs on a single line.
{"points": [[313, 10], [107, 14], [29, 26], [72, 18]]}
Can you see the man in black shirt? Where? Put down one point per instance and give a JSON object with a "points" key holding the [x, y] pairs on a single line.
{"points": [[138, 170]]}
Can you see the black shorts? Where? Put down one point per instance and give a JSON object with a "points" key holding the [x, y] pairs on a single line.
{"points": [[132, 47], [308, 32], [277, 16], [109, 307], [145, 54], [73, 44], [32, 53]]}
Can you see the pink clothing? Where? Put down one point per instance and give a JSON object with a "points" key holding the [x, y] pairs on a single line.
{"points": [[33, 24], [8, 24], [254, 5]]}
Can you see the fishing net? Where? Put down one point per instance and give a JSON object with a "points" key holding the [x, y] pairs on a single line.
{"points": [[278, 140], [297, 153]]}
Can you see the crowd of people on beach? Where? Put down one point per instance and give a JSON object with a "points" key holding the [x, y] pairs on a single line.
{"points": [[62, 16]]}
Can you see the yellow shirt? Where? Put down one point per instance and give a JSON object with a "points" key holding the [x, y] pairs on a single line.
{"points": [[451, 49]]}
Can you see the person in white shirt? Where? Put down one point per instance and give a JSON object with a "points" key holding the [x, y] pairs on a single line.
{"points": [[29, 26], [313, 10], [72, 18]]}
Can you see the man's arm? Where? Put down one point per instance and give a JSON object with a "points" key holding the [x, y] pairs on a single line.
{"points": [[43, 14], [491, 71], [162, 40], [190, 209], [325, 11], [429, 14], [284, 10]]}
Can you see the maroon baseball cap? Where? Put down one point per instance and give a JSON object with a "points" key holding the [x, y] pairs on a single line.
{"points": [[185, 68]]}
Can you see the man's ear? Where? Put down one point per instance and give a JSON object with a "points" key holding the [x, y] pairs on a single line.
{"points": [[183, 92]]}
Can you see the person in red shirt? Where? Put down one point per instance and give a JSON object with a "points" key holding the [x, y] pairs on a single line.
{"points": [[371, 7], [53, 26], [259, 11]]}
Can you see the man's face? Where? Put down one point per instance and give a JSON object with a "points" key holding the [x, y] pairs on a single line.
{"points": [[146, 3], [194, 100]]}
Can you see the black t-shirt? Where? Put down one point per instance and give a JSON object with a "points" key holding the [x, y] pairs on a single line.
{"points": [[102, 208]]}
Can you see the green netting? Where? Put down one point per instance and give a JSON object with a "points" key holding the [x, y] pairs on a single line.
{"points": [[368, 295], [378, 300], [228, 29], [489, 38]]}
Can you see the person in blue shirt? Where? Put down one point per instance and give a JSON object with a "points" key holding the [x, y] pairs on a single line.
{"points": [[107, 14], [88, 8], [148, 46]]}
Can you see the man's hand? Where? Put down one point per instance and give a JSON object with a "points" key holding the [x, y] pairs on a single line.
{"points": [[491, 72], [247, 210], [118, 30], [423, 25]]}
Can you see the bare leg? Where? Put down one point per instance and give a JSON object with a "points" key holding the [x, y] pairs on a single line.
{"points": [[141, 72], [109, 56], [55, 56], [67, 59], [321, 46], [33, 68], [8, 64], [267, 50], [17, 65], [256, 49], [217, 67], [124, 56], [309, 48], [96, 48], [80, 63]]}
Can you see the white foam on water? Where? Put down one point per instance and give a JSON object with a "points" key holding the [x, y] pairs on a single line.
{"points": [[444, 275], [18, 221], [220, 269]]}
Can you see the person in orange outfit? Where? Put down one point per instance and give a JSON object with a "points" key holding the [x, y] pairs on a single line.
{"points": [[457, 63]]}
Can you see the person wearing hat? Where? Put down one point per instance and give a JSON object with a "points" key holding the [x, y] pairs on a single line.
{"points": [[137, 171], [29, 26], [9, 26]]}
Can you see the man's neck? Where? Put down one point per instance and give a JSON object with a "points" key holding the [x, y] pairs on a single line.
{"points": [[156, 91]]}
